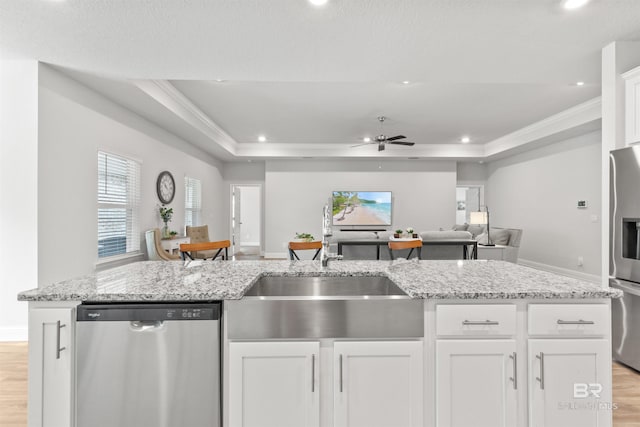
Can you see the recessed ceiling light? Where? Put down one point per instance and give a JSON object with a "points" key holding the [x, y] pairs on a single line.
{"points": [[366, 139], [579, 83], [406, 82], [318, 2], [262, 138], [574, 4], [220, 80], [465, 139]]}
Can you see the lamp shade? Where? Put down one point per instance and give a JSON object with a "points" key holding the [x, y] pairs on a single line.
{"points": [[478, 218]]}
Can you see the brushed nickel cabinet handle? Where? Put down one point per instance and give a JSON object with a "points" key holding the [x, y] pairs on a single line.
{"points": [[480, 322], [541, 377], [514, 357], [313, 373], [58, 348], [340, 373], [576, 322]]}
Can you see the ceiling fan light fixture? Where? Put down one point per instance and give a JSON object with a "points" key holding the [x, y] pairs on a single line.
{"points": [[574, 4]]}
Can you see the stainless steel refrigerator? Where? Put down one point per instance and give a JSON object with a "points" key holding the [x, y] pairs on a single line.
{"points": [[624, 259]]}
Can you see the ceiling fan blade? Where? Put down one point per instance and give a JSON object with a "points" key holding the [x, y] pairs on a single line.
{"points": [[381, 147], [402, 143], [393, 138]]}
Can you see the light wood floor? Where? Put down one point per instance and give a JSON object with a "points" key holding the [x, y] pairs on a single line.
{"points": [[13, 389]]}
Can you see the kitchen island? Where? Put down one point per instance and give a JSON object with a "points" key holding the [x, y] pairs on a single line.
{"points": [[491, 328]]}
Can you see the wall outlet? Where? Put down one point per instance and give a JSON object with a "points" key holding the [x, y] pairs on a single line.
{"points": [[580, 261]]}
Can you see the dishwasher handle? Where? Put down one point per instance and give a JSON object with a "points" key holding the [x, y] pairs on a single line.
{"points": [[145, 325]]}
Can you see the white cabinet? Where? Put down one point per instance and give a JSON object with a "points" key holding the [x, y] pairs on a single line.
{"points": [[569, 383], [51, 361], [476, 383], [632, 106], [274, 384], [277, 384], [378, 384]]}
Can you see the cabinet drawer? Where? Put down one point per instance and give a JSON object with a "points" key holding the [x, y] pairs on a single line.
{"points": [[476, 320], [569, 319]]}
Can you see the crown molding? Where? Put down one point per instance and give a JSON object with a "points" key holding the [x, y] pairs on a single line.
{"points": [[175, 101]]}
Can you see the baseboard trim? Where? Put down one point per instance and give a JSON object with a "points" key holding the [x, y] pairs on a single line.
{"points": [[562, 271], [276, 255], [20, 333]]}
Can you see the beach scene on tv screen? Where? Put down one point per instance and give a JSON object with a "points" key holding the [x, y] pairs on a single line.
{"points": [[362, 207]]}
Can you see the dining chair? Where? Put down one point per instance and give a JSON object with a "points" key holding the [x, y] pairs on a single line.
{"points": [[188, 249], [303, 246], [406, 244], [154, 248], [199, 234]]}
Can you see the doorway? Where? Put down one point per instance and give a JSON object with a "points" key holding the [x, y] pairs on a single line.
{"points": [[468, 199], [246, 221]]}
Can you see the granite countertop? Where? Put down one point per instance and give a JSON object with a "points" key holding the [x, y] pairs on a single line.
{"points": [[229, 280]]}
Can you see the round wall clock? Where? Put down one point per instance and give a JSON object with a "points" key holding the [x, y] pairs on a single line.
{"points": [[166, 187]]}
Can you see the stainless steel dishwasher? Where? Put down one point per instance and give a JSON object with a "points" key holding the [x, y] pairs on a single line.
{"points": [[150, 365]]}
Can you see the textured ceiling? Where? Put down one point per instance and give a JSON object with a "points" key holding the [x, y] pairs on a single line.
{"points": [[302, 74]]}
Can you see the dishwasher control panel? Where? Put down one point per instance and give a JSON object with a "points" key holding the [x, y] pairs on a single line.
{"points": [[147, 312]]}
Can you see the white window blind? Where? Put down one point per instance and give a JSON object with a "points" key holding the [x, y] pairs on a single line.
{"points": [[118, 205], [192, 201]]}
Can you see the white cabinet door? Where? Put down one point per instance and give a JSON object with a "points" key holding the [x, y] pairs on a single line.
{"points": [[273, 384], [378, 384], [565, 376], [476, 383], [51, 367]]}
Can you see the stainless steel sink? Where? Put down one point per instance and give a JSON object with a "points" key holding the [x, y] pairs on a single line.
{"points": [[326, 287], [325, 307]]}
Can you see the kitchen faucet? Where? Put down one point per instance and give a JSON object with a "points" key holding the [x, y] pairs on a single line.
{"points": [[326, 256]]}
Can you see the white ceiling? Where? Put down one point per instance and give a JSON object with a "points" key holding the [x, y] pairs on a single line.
{"points": [[313, 79]]}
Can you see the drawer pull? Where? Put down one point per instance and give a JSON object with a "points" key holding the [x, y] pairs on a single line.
{"points": [[480, 322], [576, 322]]}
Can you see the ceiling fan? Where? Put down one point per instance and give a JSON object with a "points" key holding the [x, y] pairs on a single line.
{"points": [[382, 139]]}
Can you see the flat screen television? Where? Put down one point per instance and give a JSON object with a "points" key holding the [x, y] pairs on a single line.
{"points": [[361, 208]]}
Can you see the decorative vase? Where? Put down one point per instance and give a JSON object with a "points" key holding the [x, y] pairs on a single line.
{"points": [[165, 231]]}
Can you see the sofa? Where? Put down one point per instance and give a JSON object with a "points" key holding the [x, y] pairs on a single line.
{"points": [[362, 244]]}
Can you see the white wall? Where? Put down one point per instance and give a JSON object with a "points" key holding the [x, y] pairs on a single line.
{"points": [[74, 124], [295, 190], [537, 191], [18, 192]]}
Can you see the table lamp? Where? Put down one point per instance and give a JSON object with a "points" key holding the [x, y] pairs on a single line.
{"points": [[482, 217]]}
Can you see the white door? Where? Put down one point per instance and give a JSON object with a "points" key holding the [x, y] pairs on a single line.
{"points": [[246, 218], [378, 384], [274, 384], [50, 367], [476, 383], [565, 375]]}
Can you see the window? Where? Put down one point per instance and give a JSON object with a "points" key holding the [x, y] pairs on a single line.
{"points": [[118, 205], [192, 201]]}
